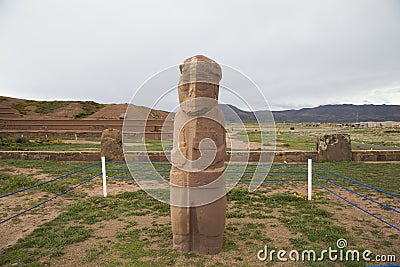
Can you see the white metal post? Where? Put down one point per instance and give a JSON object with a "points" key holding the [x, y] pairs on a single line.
{"points": [[103, 170], [309, 183]]}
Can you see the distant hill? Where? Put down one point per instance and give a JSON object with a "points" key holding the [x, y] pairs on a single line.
{"points": [[345, 113], [340, 113], [241, 115], [56, 110]]}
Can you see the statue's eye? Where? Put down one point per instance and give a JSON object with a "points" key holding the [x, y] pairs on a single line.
{"points": [[180, 68], [184, 88]]}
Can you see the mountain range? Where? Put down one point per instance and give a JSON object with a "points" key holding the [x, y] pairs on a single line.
{"points": [[345, 113]]}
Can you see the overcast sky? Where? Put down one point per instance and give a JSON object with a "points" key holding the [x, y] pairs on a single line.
{"points": [[299, 53]]}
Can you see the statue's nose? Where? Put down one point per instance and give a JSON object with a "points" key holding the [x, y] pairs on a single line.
{"points": [[192, 90]]}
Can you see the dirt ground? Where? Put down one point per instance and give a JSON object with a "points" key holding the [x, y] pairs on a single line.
{"points": [[11, 231]]}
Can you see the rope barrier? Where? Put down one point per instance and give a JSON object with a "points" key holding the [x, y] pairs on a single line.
{"points": [[229, 164], [49, 181], [358, 194], [266, 172], [358, 207], [357, 182], [273, 181], [120, 177], [137, 162], [117, 169], [228, 180], [233, 172], [50, 199], [127, 169], [267, 164]]}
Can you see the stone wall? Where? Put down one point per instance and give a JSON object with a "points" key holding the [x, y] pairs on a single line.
{"points": [[280, 156], [50, 155], [82, 128], [376, 155], [51, 134]]}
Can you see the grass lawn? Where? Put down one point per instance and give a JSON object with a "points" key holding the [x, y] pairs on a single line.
{"points": [[129, 228], [54, 147], [37, 144], [295, 141], [286, 140], [150, 145], [374, 136]]}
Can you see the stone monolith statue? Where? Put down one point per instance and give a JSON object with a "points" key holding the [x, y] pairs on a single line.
{"points": [[334, 147], [198, 154]]}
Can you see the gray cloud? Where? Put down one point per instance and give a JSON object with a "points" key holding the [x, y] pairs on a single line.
{"points": [[300, 53]]}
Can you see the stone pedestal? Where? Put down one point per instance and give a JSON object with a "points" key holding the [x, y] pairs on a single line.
{"points": [[334, 147]]}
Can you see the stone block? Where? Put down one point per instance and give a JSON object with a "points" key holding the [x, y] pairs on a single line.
{"points": [[334, 147], [111, 145]]}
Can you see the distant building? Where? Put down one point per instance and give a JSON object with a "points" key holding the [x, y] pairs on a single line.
{"points": [[390, 124], [330, 125], [378, 124]]}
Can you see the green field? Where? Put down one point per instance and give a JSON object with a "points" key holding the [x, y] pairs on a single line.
{"points": [[374, 136], [301, 138], [304, 137]]}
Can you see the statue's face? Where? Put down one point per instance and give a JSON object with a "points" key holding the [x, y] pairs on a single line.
{"points": [[190, 91], [199, 79]]}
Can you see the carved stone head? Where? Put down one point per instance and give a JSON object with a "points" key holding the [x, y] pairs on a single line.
{"points": [[199, 84]]}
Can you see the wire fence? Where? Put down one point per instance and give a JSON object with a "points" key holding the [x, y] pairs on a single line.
{"points": [[53, 197], [138, 171], [297, 172], [50, 181], [320, 177], [50, 199], [357, 182]]}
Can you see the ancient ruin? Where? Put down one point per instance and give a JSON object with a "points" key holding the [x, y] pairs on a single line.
{"points": [[111, 145], [334, 147], [198, 155]]}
